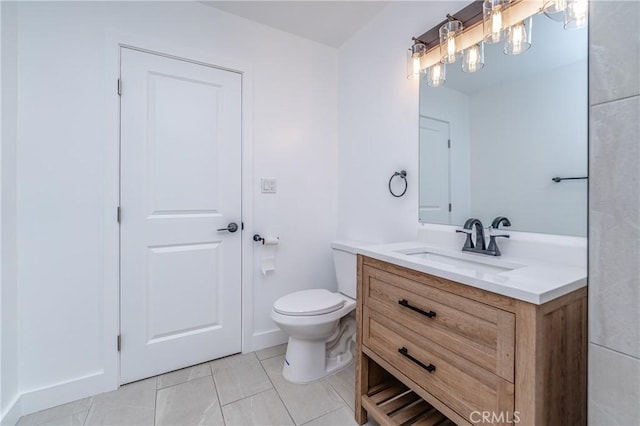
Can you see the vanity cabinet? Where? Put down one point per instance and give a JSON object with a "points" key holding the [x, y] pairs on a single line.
{"points": [[429, 347]]}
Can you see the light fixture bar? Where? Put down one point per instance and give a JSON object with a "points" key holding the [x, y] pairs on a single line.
{"points": [[469, 16], [473, 34]]}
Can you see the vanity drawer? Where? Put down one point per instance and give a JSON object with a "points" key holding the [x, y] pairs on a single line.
{"points": [[452, 379], [483, 334]]}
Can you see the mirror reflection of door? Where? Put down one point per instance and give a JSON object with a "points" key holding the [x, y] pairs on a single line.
{"points": [[435, 176]]}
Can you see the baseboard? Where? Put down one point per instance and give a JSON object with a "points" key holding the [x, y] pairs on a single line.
{"points": [[13, 413], [266, 339], [61, 393]]}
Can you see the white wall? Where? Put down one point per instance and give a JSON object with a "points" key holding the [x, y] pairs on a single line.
{"points": [[535, 140], [452, 106], [378, 122], [65, 89], [8, 259]]}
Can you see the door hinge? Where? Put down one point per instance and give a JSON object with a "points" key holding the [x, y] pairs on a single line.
{"points": [[242, 226], [119, 87], [448, 143], [450, 207], [118, 214], [119, 343]]}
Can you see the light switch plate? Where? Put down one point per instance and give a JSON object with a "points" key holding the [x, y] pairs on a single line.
{"points": [[268, 185]]}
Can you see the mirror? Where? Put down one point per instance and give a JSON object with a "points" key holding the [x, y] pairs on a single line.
{"points": [[492, 141]]}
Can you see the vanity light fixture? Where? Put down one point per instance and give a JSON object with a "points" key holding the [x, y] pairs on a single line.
{"points": [[448, 34], [473, 58], [414, 59], [518, 37], [494, 18], [575, 14], [436, 75], [485, 21]]}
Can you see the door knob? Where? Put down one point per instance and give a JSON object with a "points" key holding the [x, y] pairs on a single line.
{"points": [[232, 227]]}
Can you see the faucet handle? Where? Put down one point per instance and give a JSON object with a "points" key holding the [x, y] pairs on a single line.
{"points": [[493, 246], [468, 243]]}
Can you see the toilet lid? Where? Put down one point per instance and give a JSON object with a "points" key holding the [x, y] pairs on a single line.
{"points": [[309, 302]]}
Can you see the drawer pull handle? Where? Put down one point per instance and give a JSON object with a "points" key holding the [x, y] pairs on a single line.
{"points": [[405, 303], [430, 368]]}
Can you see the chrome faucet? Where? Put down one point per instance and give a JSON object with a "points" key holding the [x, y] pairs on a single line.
{"points": [[480, 245]]}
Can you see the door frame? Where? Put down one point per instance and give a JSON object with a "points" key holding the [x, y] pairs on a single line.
{"points": [[114, 42]]}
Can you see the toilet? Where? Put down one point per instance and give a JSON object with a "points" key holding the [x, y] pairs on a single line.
{"points": [[320, 324]]}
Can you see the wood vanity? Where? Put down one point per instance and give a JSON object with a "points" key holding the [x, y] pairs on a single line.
{"points": [[428, 347]]}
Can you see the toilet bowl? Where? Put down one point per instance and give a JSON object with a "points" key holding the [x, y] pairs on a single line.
{"points": [[320, 323]]}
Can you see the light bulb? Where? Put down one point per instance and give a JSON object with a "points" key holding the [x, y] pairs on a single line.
{"points": [[436, 75], [518, 38], [494, 16], [448, 33], [554, 6], [496, 23], [451, 46], [473, 58], [575, 14], [416, 65]]}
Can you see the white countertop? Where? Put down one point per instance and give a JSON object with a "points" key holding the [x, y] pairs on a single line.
{"points": [[531, 280]]}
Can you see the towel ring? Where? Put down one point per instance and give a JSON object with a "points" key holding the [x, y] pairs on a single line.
{"points": [[403, 176]]}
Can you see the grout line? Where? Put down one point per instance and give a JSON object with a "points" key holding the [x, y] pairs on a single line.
{"points": [[215, 386], [276, 389], [249, 396], [85, 416], [273, 356], [325, 414], [89, 412], [615, 351], [182, 383], [336, 390], [624, 98], [246, 396], [155, 402]]}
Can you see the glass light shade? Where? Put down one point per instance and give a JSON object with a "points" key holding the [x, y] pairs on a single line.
{"points": [[413, 66], [414, 59], [494, 16], [473, 58], [575, 14], [436, 75], [448, 33], [518, 37], [554, 6]]}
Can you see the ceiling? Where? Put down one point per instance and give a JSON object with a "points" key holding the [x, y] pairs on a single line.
{"points": [[326, 22]]}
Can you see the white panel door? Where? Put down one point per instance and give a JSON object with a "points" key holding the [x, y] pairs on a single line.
{"points": [[434, 171], [180, 183]]}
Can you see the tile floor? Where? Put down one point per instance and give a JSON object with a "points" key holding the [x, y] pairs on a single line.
{"points": [[245, 389]]}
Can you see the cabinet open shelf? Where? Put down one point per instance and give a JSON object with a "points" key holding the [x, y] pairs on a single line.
{"points": [[393, 403]]}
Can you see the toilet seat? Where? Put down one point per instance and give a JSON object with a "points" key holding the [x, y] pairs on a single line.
{"points": [[309, 302]]}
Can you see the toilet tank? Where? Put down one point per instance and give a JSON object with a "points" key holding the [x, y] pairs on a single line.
{"points": [[345, 261]]}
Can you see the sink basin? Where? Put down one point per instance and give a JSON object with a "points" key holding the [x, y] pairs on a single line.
{"points": [[440, 260]]}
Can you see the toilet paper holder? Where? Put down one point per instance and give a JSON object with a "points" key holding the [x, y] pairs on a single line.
{"points": [[267, 241]]}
